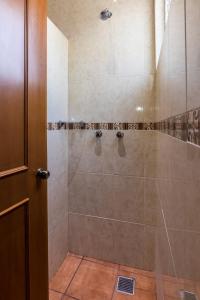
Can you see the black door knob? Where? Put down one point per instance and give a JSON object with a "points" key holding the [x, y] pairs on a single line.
{"points": [[43, 174]]}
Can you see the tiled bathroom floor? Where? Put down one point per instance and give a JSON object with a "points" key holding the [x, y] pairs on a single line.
{"points": [[84, 278]]}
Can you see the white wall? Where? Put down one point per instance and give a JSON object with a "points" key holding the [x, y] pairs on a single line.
{"points": [[57, 91], [159, 26], [57, 74]]}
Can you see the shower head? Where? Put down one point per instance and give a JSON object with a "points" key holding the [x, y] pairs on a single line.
{"points": [[106, 14]]}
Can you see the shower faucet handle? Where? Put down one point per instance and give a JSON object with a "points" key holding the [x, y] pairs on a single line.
{"points": [[120, 134], [82, 124], [99, 133]]}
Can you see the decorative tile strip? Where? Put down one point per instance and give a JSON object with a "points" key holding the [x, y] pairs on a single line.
{"points": [[175, 126], [57, 125], [185, 127], [103, 126], [193, 121]]}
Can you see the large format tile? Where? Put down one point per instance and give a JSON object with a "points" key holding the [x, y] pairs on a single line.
{"points": [[112, 75], [63, 277], [93, 281], [120, 242], [151, 201], [57, 198], [193, 46], [110, 196], [58, 246], [84, 240]]}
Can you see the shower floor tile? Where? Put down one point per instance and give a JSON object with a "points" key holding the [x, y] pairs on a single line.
{"points": [[93, 281], [65, 274], [54, 295], [85, 278]]}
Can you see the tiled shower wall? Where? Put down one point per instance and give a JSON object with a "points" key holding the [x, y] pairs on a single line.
{"points": [[111, 63], [111, 72], [178, 175], [130, 196], [112, 212], [57, 148]]}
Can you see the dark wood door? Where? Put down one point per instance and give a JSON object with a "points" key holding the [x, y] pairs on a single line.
{"points": [[23, 199]]}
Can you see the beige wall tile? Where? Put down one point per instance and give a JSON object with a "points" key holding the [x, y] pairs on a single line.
{"points": [[57, 93], [118, 242], [103, 70], [193, 47], [171, 72]]}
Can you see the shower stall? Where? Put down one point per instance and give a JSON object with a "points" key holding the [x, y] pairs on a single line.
{"points": [[123, 140]]}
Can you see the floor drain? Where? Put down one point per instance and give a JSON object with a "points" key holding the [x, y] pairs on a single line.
{"points": [[125, 285], [185, 295]]}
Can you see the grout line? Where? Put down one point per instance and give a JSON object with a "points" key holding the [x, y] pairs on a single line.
{"points": [[69, 297], [86, 258], [55, 291], [110, 219], [183, 230], [114, 288], [139, 177], [65, 293], [169, 243], [186, 57]]}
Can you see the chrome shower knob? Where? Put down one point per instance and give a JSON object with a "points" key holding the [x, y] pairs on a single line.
{"points": [[99, 133], [120, 134]]}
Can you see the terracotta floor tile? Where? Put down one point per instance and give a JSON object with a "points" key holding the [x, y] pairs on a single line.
{"points": [[142, 282], [145, 283], [188, 283], [137, 271], [139, 295], [172, 289], [63, 277], [54, 295], [102, 262], [172, 286], [68, 298], [93, 282]]}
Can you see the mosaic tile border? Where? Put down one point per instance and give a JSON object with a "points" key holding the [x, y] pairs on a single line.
{"points": [[103, 126], [185, 127], [193, 121], [174, 126]]}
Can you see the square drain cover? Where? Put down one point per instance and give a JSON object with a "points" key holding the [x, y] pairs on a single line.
{"points": [[126, 285], [185, 295]]}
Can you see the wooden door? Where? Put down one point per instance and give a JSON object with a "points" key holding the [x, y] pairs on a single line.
{"points": [[23, 199]]}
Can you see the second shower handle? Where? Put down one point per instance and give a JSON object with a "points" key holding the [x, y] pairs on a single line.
{"points": [[99, 134], [119, 134]]}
